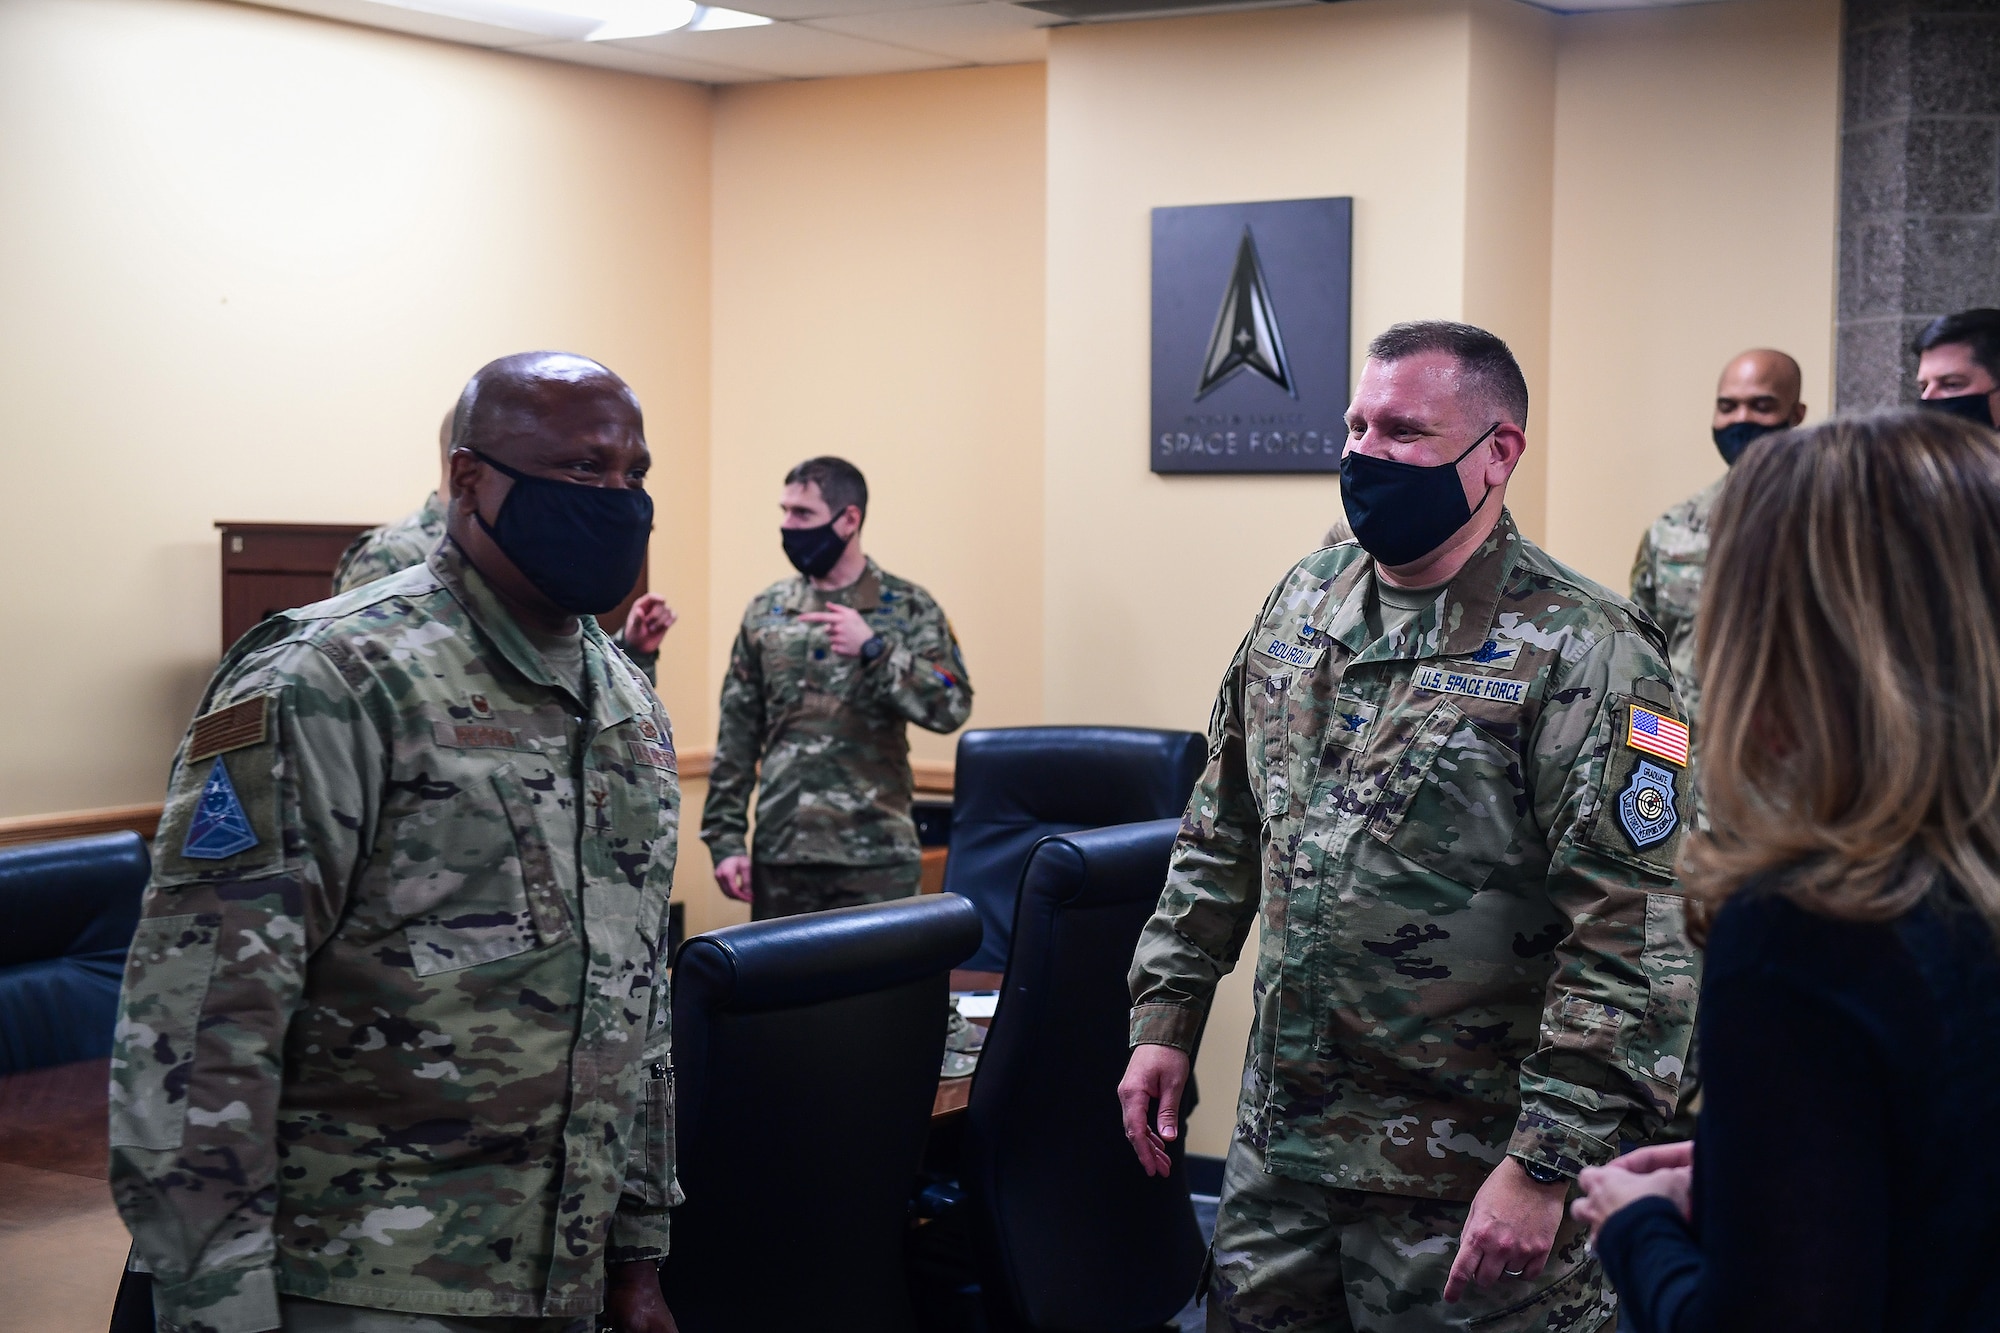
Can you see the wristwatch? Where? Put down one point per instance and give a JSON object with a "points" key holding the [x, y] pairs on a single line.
{"points": [[1540, 1173], [873, 649]]}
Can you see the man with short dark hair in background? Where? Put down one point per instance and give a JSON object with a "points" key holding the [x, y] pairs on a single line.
{"points": [[380, 552], [827, 671], [1958, 365], [1446, 782], [1758, 393]]}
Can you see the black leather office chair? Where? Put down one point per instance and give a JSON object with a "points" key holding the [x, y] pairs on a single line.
{"points": [[1074, 1237], [1017, 785], [806, 1056], [67, 913]]}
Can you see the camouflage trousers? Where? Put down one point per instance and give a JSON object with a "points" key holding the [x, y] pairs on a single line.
{"points": [[788, 890], [303, 1316], [1291, 1256]]}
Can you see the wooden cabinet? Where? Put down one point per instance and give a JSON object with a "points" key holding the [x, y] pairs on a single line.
{"points": [[273, 567]]}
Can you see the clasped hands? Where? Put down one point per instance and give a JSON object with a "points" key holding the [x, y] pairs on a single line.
{"points": [[1666, 1170]]}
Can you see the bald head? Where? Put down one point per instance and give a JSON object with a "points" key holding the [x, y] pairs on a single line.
{"points": [[518, 397], [1760, 386]]}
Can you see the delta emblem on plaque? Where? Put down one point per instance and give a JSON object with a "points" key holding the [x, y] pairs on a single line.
{"points": [[1251, 336]]}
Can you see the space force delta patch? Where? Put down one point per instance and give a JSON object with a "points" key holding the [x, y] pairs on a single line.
{"points": [[220, 827], [1471, 685]]}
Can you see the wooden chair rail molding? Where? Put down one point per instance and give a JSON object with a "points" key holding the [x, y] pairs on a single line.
{"points": [[933, 780]]}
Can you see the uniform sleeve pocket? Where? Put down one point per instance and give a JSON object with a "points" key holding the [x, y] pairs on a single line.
{"points": [[1452, 802], [1656, 1046], [1641, 805], [660, 1184], [166, 982]]}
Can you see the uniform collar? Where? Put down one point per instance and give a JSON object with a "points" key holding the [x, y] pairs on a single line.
{"points": [[864, 594], [1459, 622], [610, 699]]}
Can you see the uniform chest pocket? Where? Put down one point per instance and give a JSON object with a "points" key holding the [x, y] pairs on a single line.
{"points": [[785, 652], [1453, 801], [1267, 741], [473, 879]]}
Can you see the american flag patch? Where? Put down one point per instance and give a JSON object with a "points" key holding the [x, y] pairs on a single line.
{"points": [[1656, 733]]}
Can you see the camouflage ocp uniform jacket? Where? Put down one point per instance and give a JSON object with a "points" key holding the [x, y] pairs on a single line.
{"points": [[394, 1030], [1464, 951], [830, 732], [1666, 582], [380, 552]]}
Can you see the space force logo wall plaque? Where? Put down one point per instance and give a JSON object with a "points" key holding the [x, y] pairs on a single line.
{"points": [[1250, 336]]}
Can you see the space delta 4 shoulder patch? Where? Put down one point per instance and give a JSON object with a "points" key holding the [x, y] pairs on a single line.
{"points": [[220, 827]]}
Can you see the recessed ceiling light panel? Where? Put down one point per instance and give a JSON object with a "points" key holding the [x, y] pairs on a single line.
{"points": [[589, 20]]}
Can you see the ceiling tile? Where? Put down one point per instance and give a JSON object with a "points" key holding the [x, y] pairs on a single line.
{"points": [[608, 55], [986, 34], [789, 51]]}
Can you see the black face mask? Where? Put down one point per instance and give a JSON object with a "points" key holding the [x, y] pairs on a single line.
{"points": [[1971, 406], [1401, 512], [1734, 438], [813, 551], [581, 545]]}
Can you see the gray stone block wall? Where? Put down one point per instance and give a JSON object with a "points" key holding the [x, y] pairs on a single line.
{"points": [[1919, 183]]}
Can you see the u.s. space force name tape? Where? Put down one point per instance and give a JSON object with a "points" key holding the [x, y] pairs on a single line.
{"points": [[1471, 685]]}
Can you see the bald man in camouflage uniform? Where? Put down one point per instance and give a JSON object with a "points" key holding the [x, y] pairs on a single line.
{"points": [[1758, 393], [827, 671], [1472, 974], [394, 1051]]}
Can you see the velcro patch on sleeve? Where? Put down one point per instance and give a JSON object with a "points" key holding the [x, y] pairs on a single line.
{"points": [[241, 724]]}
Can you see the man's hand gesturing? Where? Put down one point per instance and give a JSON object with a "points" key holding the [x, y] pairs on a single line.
{"points": [[648, 622], [846, 628], [1156, 1074]]}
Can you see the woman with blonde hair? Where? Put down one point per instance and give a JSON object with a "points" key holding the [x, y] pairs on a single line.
{"points": [[1846, 1171]]}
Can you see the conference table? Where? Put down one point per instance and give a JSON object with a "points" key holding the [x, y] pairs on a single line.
{"points": [[954, 1093], [62, 1246]]}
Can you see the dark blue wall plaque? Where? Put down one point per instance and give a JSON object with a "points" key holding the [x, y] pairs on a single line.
{"points": [[1251, 306]]}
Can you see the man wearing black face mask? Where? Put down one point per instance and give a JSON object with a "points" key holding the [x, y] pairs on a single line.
{"points": [[827, 671], [1757, 394], [1958, 365], [1446, 783], [401, 962]]}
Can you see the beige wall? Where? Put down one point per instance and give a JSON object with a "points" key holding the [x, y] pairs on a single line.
{"points": [[878, 295], [249, 259], [1696, 216]]}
